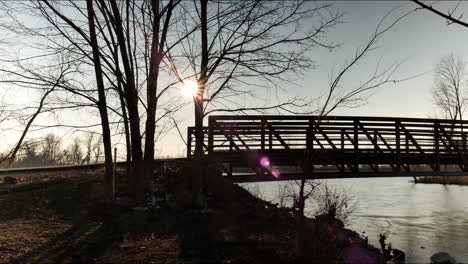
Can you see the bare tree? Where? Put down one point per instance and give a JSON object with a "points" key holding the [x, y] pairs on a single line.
{"points": [[75, 151], [126, 43], [47, 83], [50, 149], [4, 115], [101, 103], [29, 155], [452, 16], [254, 43], [88, 144], [97, 149], [340, 95], [334, 202], [449, 92]]}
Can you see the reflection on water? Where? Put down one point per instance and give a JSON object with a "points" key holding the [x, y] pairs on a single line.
{"points": [[421, 219]]}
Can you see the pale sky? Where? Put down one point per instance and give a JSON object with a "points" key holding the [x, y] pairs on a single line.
{"points": [[421, 39]]}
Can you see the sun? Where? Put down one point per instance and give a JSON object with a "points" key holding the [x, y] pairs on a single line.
{"points": [[189, 88]]}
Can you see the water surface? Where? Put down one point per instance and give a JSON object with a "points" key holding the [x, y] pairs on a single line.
{"points": [[421, 219]]}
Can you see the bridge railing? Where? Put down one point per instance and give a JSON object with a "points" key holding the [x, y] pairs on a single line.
{"points": [[428, 139], [191, 141]]}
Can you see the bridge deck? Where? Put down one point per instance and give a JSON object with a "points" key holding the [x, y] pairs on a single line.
{"points": [[347, 143]]}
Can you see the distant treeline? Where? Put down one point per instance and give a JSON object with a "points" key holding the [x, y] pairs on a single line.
{"points": [[51, 150]]}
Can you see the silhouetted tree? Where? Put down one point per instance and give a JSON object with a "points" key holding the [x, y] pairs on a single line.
{"points": [[29, 155], [75, 152], [449, 15], [449, 90], [101, 103], [88, 146], [50, 149], [130, 43], [97, 149], [450, 72], [257, 43], [4, 115], [47, 83], [339, 94]]}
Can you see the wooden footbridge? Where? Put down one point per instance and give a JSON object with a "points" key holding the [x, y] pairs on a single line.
{"points": [[257, 148]]}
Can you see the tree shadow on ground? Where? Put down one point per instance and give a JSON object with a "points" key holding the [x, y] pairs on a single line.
{"points": [[83, 234], [77, 245]]}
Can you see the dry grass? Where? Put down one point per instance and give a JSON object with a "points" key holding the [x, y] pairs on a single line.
{"points": [[37, 215], [460, 180], [38, 177], [144, 249], [20, 236], [31, 180], [62, 223]]}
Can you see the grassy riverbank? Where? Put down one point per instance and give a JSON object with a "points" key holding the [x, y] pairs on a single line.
{"points": [[460, 180], [61, 217]]}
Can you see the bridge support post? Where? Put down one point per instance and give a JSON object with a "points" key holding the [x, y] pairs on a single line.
{"points": [[309, 158], [407, 147], [356, 145], [397, 142], [464, 141], [376, 148], [270, 140], [211, 123], [436, 146], [342, 150], [311, 136], [189, 142], [262, 134], [465, 160], [263, 123]]}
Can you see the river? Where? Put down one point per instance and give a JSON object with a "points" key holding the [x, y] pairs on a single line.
{"points": [[420, 219]]}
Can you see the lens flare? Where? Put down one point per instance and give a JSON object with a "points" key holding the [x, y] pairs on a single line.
{"points": [[189, 88], [275, 173], [265, 162]]}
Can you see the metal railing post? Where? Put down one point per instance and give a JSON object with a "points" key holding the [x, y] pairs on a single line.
{"points": [[436, 146], [189, 142], [262, 136], [211, 124], [356, 145], [113, 173], [397, 142]]}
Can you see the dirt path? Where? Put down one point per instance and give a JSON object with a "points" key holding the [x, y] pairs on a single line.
{"points": [[48, 221], [59, 218]]}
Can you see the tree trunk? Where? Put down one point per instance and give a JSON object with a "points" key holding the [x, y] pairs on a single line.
{"points": [[300, 221], [12, 155], [137, 176], [199, 137], [120, 90], [128, 145], [151, 90], [102, 105], [131, 97], [199, 115]]}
